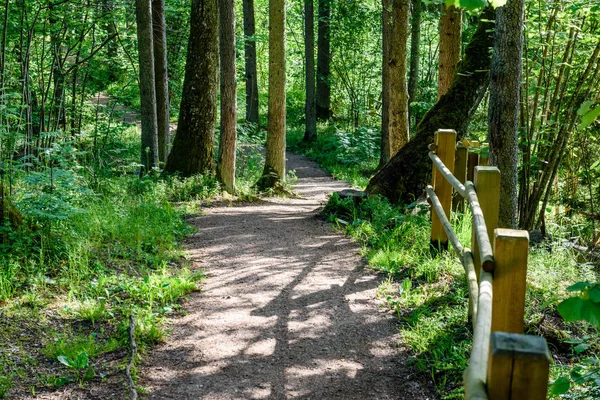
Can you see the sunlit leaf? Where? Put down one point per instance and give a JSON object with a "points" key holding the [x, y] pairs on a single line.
{"points": [[590, 117], [560, 386]]}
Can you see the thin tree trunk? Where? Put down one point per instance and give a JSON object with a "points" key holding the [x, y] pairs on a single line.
{"points": [[274, 172], [252, 115], [193, 147], [503, 110], [386, 29], [161, 76], [323, 61], [226, 164], [415, 43], [450, 46], [403, 179], [310, 134], [398, 107]]}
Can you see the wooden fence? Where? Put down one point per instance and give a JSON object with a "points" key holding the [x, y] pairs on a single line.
{"points": [[504, 363]]}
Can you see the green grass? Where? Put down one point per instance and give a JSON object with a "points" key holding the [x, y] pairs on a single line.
{"points": [[429, 293]]}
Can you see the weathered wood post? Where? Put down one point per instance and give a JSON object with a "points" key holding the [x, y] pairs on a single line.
{"points": [[510, 280], [487, 185], [484, 154], [460, 172], [473, 160], [518, 367], [445, 147]]}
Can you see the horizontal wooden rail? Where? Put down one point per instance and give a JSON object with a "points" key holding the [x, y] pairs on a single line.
{"points": [[463, 253], [486, 254], [476, 374], [459, 187]]}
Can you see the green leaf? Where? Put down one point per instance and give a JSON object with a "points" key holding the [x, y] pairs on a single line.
{"points": [[580, 348], [64, 360], [81, 361], [571, 309], [590, 117], [585, 107], [497, 3], [560, 386], [594, 293], [578, 287]]}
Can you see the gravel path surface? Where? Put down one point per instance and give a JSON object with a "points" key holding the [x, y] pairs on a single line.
{"points": [[288, 310]]}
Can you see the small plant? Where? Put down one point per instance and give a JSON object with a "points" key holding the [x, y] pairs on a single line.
{"points": [[80, 365]]}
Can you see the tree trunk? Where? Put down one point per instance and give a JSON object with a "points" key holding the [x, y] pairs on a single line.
{"points": [[406, 175], [386, 29], [226, 164], [274, 172], [323, 61], [250, 58], [161, 76], [503, 111], [310, 134], [398, 107], [450, 46], [193, 148], [415, 43], [147, 91]]}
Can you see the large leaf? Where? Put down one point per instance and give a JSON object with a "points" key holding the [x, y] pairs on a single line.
{"points": [[590, 117], [560, 386], [65, 361], [577, 309]]}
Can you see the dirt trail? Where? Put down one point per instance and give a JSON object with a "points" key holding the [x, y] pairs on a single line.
{"points": [[288, 310]]}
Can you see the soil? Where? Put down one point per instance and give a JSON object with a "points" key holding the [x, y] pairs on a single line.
{"points": [[288, 311]]}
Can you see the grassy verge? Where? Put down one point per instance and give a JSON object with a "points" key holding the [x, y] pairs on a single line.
{"points": [[429, 293], [99, 244]]}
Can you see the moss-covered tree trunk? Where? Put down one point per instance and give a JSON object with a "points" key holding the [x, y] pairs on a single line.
{"points": [[193, 148], [503, 113], [227, 142], [161, 77], [310, 106], [252, 115], [274, 172], [403, 179]]}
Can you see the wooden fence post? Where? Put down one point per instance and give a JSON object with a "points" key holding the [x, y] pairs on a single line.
{"points": [[510, 280], [484, 154], [473, 161], [460, 172], [487, 184], [445, 143], [518, 367]]}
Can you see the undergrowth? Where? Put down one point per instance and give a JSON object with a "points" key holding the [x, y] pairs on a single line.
{"points": [[428, 291]]}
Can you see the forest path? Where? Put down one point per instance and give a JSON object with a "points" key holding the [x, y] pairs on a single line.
{"points": [[288, 310]]}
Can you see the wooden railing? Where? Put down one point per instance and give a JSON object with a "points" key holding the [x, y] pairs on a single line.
{"points": [[504, 363]]}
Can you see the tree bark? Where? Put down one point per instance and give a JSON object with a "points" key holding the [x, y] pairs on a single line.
{"points": [[503, 111], [274, 172], [310, 133], [415, 43], [450, 46], [403, 179], [227, 142], [323, 61], [386, 28], [398, 91], [161, 76], [252, 115], [193, 148], [143, 15]]}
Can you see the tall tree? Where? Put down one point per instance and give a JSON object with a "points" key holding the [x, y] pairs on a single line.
{"points": [[310, 133], [450, 46], [403, 179], [193, 147], [274, 172], [161, 77], [503, 112], [398, 91], [386, 31], [415, 56], [227, 145], [324, 61], [147, 90], [252, 115]]}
